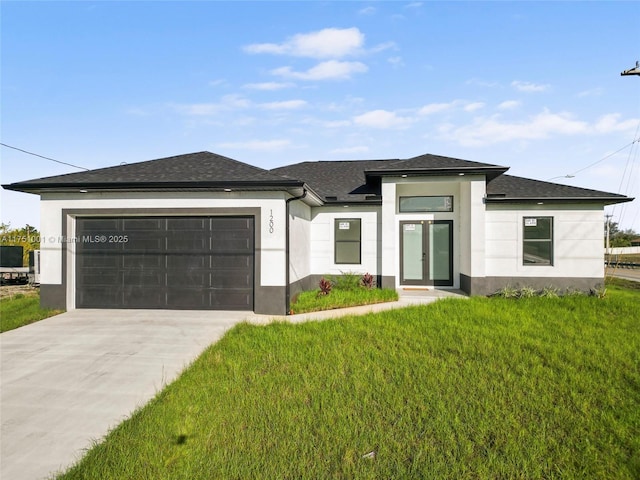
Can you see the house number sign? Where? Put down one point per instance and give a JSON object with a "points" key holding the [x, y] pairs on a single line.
{"points": [[271, 223]]}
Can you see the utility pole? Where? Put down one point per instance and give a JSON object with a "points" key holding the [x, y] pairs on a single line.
{"points": [[608, 248]]}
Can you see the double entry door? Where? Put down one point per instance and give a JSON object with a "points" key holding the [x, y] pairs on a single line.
{"points": [[426, 252]]}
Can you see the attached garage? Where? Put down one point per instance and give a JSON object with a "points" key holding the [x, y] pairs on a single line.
{"points": [[186, 262]]}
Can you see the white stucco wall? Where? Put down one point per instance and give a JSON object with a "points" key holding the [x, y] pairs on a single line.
{"points": [[300, 240], [323, 239], [271, 204], [577, 241], [468, 220]]}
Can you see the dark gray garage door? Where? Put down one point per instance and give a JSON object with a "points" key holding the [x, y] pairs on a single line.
{"points": [[165, 263]]}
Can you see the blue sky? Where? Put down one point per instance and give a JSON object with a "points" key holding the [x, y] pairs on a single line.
{"points": [[533, 86]]}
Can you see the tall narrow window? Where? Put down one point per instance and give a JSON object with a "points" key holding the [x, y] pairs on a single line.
{"points": [[537, 247], [347, 240]]}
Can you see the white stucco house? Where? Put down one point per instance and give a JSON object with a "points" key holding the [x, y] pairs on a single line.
{"points": [[202, 231]]}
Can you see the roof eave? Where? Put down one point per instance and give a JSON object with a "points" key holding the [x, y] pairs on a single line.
{"points": [[544, 200], [489, 172], [37, 188]]}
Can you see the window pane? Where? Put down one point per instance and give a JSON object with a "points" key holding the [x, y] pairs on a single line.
{"points": [[347, 240], [426, 204], [412, 251], [537, 228], [439, 253], [347, 229], [347, 252], [537, 253]]}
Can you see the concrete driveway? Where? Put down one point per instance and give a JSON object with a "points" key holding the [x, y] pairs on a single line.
{"points": [[67, 380]]}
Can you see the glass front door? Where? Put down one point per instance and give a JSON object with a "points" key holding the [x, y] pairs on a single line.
{"points": [[426, 252]]}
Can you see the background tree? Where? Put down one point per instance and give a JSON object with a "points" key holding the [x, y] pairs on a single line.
{"points": [[620, 238], [27, 237]]}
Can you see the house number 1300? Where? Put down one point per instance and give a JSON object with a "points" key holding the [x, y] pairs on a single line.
{"points": [[271, 221]]}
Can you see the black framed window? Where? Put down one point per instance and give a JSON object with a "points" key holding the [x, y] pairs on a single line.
{"points": [[347, 240], [537, 244], [442, 203]]}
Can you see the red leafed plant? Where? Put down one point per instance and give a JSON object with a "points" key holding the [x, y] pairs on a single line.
{"points": [[367, 281], [325, 286]]}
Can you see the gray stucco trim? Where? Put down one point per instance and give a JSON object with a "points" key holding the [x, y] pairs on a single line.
{"points": [[387, 281], [266, 298], [53, 296], [489, 285]]}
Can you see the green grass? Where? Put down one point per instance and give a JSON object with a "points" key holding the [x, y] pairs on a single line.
{"points": [[460, 389], [21, 310], [311, 301]]}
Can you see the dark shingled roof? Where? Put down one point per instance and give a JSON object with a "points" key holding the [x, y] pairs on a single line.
{"points": [[193, 169], [435, 162], [337, 180], [507, 188]]}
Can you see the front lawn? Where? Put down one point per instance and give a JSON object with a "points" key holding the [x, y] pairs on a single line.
{"points": [[22, 309], [479, 388]]}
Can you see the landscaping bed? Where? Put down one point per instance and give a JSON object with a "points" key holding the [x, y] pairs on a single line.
{"points": [[346, 290]]}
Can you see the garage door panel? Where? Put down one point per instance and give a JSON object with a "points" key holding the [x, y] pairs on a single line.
{"points": [[181, 262], [138, 261], [142, 277], [142, 297], [187, 242], [188, 223], [230, 279], [171, 262], [101, 225], [145, 242], [199, 279], [142, 223], [230, 300], [188, 298], [101, 278], [106, 298], [234, 261], [99, 260]]}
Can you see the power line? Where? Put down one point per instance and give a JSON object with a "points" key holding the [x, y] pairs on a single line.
{"points": [[42, 156], [604, 158]]}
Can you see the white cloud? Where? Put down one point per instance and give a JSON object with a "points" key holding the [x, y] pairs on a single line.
{"points": [[269, 85], [610, 123], [509, 104], [482, 83], [472, 107], [326, 43], [329, 70], [336, 123], [492, 130], [382, 119], [367, 11], [349, 150], [529, 87], [264, 145], [396, 62], [228, 102], [284, 105], [593, 92], [413, 5], [436, 107], [199, 109]]}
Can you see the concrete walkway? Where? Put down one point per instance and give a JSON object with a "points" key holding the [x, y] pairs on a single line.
{"points": [[67, 380]]}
